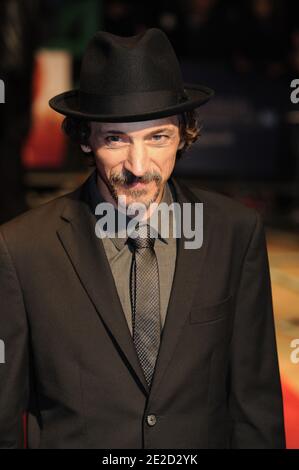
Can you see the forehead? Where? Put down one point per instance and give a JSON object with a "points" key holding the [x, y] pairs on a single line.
{"points": [[141, 127]]}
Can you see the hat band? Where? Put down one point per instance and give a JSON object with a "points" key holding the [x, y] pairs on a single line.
{"points": [[139, 102]]}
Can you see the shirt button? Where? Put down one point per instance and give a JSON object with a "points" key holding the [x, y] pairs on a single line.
{"points": [[151, 420]]}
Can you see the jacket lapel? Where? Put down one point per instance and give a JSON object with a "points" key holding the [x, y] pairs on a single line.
{"points": [[189, 267], [87, 255]]}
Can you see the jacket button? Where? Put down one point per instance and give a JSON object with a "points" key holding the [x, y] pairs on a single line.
{"points": [[151, 420]]}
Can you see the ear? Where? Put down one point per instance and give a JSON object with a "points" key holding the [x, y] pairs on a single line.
{"points": [[85, 148], [181, 144]]}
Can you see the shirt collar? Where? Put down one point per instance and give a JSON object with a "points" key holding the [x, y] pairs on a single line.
{"points": [[96, 197]]}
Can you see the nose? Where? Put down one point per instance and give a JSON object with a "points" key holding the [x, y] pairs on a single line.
{"points": [[137, 160]]}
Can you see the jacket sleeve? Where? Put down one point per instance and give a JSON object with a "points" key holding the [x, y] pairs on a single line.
{"points": [[255, 397], [14, 381]]}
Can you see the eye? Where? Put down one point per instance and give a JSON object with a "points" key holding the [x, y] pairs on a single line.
{"points": [[114, 140], [160, 137]]}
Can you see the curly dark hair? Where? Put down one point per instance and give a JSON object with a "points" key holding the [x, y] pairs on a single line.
{"points": [[79, 131]]}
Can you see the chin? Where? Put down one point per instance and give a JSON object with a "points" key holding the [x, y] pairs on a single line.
{"points": [[139, 197], [131, 199]]}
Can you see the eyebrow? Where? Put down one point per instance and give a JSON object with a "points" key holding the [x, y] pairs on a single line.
{"points": [[157, 131]]}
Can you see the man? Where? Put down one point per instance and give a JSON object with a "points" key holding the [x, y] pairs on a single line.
{"points": [[137, 341]]}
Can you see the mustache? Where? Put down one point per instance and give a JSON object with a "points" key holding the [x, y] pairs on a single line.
{"points": [[127, 178]]}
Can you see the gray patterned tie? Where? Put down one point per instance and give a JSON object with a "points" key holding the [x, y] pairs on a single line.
{"points": [[145, 300]]}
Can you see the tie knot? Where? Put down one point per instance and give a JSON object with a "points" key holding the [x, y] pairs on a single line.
{"points": [[143, 240]]}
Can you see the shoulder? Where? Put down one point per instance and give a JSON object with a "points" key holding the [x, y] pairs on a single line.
{"points": [[37, 223], [222, 208], [231, 223], [37, 214]]}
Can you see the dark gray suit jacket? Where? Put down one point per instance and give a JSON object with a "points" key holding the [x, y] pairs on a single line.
{"points": [[70, 358]]}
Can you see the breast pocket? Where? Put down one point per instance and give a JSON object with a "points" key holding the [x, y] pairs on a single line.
{"points": [[212, 312]]}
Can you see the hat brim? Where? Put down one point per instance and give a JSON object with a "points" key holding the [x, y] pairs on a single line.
{"points": [[67, 103]]}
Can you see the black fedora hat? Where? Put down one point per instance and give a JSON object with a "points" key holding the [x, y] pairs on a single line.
{"points": [[127, 79]]}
